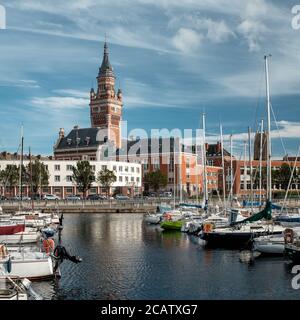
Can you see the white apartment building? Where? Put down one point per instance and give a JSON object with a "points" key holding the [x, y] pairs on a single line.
{"points": [[129, 178]]}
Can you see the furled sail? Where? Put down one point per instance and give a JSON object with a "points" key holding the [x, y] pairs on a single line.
{"points": [[266, 213]]}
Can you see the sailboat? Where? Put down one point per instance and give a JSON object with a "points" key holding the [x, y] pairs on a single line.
{"points": [[241, 233]]}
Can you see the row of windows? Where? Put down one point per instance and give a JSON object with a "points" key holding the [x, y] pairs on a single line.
{"points": [[104, 167], [126, 179]]}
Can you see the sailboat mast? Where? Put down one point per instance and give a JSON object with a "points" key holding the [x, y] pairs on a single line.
{"points": [[250, 162], [245, 167], [180, 173], [223, 166], [21, 165], [269, 147], [260, 160], [174, 175], [231, 170], [205, 193]]}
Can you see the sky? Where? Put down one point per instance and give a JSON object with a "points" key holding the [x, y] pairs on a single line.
{"points": [[173, 60]]}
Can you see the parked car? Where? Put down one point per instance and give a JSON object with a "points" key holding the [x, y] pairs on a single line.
{"points": [[96, 197], [24, 198], [167, 194], [73, 197], [121, 197], [50, 197], [2, 198]]}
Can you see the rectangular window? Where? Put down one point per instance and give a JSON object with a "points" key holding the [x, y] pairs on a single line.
{"points": [[126, 169], [104, 167], [69, 178], [132, 169], [57, 190], [126, 179], [156, 166], [114, 168], [120, 168], [120, 179], [69, 190], [57, 167], [93, 168], [137, 170], [138, 179], [132, 179], [57, 178], [69, 167]]}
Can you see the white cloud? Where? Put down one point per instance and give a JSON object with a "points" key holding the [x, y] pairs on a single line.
{"points": [[73, 93], [19, 83], [59, 102], [253, 32], [187, 40]]}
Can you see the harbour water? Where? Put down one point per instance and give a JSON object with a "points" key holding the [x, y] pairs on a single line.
{"points": [[123, 258]]}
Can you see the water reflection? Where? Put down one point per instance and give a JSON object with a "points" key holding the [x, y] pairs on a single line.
{"points": [[123, 258]]}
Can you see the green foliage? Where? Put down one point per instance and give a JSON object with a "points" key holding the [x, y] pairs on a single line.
{"points": [[156, 180], [10, 176], [83, 176], [37, 175], [106, 178]]}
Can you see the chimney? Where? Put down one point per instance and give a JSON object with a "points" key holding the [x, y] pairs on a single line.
{"points": [[61, 133]]}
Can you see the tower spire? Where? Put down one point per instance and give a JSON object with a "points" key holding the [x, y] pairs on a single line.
{"points": [[106, 69]]}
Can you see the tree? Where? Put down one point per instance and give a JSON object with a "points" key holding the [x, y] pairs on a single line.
{"points": [[106, 178], [83, 176], [156, 180], [283, 175], [10, 176], [39, 175]]}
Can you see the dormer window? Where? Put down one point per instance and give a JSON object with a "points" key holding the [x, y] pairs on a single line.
{"points": [[87, 140], [69, 142], [78, 141]]}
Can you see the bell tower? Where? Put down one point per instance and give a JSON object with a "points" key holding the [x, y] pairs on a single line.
{"points": [[105, 104]]}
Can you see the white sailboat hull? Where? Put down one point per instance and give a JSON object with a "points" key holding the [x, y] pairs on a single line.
{"points": [[21, 237], [269, 248], [34, 269], [153, 219]]}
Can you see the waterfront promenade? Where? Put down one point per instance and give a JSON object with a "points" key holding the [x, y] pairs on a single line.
{"points": [[113, 206]]}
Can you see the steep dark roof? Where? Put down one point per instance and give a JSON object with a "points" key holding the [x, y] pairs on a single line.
{"points": [[106, 69], [80, 138]]}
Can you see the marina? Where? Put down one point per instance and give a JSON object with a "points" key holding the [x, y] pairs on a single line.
{"points": [[124, 258], [149, 151]]}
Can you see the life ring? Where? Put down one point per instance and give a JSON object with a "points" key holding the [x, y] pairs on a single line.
{"points": [[48, 245], [207, 227], [288, 235], [168, 216]]}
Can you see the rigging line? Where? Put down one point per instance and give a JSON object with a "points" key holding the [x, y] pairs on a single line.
{"points": [[290, 181]]}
